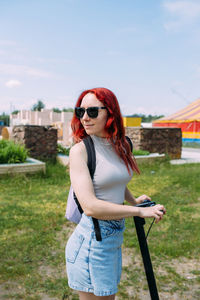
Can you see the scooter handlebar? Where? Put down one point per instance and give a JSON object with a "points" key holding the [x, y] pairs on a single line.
{"points": [[146, 203]]}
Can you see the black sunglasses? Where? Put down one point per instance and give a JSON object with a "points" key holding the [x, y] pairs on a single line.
{"points": [[92, 111]]}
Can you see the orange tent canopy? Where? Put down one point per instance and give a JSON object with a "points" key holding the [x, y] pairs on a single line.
{"points": [[188, 114], [188, 119]]}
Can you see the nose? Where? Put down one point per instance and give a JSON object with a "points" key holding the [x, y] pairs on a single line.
{"points": [[85, 116]]}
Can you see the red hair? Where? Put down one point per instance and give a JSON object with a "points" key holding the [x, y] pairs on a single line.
{"points": [[114, 126]]}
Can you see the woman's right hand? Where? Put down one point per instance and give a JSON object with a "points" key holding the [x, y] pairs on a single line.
{"points": [[156, 212]]}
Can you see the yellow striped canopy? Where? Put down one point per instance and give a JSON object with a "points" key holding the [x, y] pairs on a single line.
{"points": [[188, 114]]}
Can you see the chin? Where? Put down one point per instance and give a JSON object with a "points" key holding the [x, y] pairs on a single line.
{"points": [[89, 131]]}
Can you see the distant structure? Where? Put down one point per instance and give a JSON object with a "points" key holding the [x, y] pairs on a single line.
{"points": [[46, 117], [132, 122], [188, 119], [146, 125]]}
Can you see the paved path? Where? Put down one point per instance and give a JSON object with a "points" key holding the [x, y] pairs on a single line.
{"points": [[63, 159], [189, 155]]}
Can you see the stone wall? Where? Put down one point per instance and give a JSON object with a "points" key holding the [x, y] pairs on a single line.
{"points": [[1, 127], [40, 140], [157, 140]]}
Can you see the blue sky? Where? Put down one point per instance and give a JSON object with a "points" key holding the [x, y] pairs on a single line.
{"points": [[146, 52]]}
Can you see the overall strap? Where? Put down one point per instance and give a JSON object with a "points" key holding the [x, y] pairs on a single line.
{"points": [[92, 166]]}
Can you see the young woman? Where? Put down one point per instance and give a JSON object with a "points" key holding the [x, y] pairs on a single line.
{"points": [[94, 267]]}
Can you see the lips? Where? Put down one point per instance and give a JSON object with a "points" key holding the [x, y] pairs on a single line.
{"points": [[88, 126]]}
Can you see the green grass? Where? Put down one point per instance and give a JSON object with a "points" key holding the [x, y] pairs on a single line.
{"points": [[140, 152], [191, 145], [178, 188], [34, 232]]}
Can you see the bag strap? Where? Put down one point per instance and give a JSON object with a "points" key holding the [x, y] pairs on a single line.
{"points": [[92, 166], [91, 155], [130, 142], [89, 145]]}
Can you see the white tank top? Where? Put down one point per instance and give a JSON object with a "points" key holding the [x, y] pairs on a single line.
{"points": [[111, 174]]}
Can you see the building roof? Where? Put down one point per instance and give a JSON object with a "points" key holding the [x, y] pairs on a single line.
{"points": [[188, 114]]}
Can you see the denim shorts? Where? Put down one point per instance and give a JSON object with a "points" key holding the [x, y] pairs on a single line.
{"points": [[95, 266]]}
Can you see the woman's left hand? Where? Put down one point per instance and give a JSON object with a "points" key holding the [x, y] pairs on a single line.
{"points": [[141, 199]]}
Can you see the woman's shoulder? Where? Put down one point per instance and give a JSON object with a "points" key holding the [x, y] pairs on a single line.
{"points": [[78, 151]]}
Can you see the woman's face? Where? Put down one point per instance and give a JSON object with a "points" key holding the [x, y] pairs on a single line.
{"points": [[94, 126]]}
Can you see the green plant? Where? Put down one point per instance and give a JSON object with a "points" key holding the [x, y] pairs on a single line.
{"points": [[140, 152], [62, 150], [5, 118], [11, 152]]}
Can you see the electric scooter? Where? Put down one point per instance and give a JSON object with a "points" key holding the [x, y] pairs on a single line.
{"points": [[142, 239]]}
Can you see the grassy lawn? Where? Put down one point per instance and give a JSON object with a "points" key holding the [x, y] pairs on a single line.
{"points": [[34, 233], [191, 145]]}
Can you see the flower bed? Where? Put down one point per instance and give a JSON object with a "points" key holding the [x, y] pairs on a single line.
{"points": [[30, 166], [11, 152]]}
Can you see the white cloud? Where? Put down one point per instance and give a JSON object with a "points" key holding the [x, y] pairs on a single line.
{"points": [[181, 13], [145, 110], [53, 60], [7, 43], [9, 103], [13, 83], [61, 102], [18, 102], [185, 9], [197, 69], [173, 25], [12, 69], [153, 110]]}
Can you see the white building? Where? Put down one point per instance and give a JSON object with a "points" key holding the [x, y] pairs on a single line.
{"points": [[46, 117]]}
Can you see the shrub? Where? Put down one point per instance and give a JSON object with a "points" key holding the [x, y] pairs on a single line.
{"points": [[62, 150], [11, 152]]}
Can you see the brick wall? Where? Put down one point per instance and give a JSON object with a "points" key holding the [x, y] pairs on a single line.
{"points": [[40, 140], [160, 140]]}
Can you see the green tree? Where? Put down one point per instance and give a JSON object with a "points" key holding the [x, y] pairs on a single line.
{"points": [[5, 118], [55, 109], [68, 109], [15, 112], [147, 119], [38, 106]]}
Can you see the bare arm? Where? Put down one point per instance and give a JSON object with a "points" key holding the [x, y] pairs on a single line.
{"points": [[132, 200], [83, 188], [129, 197]]}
